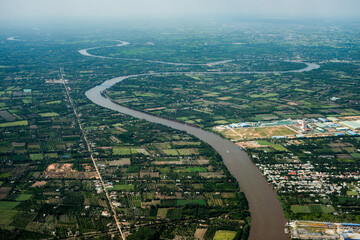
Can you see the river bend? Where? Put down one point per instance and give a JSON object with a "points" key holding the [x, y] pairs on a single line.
{"points": [[268, 220]]}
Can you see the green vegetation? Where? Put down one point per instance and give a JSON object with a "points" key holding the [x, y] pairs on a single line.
{"points": [[14, 124], [5, 175], [36, 156], [224, 235], [23, 197], [127, 187], [49, 114], [190, 202], [49, 187], [7, 216], [6, 205]]}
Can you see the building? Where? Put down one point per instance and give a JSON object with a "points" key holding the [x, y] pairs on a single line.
{"points": [[351, 124]]}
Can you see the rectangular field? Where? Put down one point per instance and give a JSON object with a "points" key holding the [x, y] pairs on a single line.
{"points": [[183, 202], [256, 132], [124, 187], [15, 124], [7, 205], [224, 235]]}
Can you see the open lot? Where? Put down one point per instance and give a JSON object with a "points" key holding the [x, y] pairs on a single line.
{"points": [[224, 235], [256, 132]]}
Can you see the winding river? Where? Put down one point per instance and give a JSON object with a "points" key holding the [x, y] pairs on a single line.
{"points": [[268, 220]]}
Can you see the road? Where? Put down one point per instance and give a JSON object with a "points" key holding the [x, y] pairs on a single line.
{"points": [[92, 156]]}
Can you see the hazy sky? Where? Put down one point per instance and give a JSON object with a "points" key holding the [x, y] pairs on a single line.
{"points": [[15, 9]]}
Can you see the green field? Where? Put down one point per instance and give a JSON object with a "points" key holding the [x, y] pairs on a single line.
{"points": [[222, 122], [196, 169], [162, 212], [51, 155], [174, 213], [300, 209], [224, 235], [23, 197], [123, 187], [36, 156], [7, 216], [313, 208], [355, 155], [264, 95], [121, 151], [351, 193], [265, 143], [125, 151], [188, 151], [54, 102], [5, 175], [7, 205], [279, 147], [184, 202], [49, 114], [14, 124], [171, 152]]}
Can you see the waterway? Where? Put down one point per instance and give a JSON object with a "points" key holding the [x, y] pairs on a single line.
{"points": [[268, 220]]}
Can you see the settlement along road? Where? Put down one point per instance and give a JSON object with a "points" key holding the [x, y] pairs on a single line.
{"points": [[268, 220]]}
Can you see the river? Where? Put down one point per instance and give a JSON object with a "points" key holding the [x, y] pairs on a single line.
{"points": [[268, 220]]}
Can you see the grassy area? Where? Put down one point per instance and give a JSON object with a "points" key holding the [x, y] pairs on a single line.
{"points": [[265, 143], [162, 212], [36, 156], [51, 155], [171, 152], [174, 213], [355, 155], [7, 205], [221, 122], [122, 151], [49, 114], [188, 151], [7, 216], [313, 208], [23, 197], [183, 202], [14, 124], [279, 147], [224, 235], [196, 169], [123, 187], [300, 209], [351, 193], [257, 132], [5, 175], [264, 95], [54, 102]]}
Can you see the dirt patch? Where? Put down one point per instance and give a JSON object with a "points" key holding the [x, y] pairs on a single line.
{"points": [[39, 184], [149, 174], [65, 170], [250, 144], [177, 195], [4, 191], [257, 132], [212, 174], [343, 156], [292, 103], [154, 109], [120, 162], [200, 233]]}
